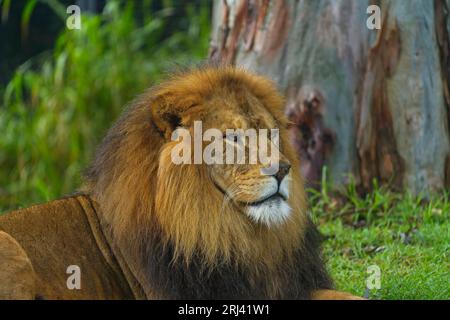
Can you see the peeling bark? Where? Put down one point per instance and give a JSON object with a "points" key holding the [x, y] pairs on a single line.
{"points": [[442, 32], [365, 103], [249, 26], [308, 133], [375, 138], [273, 38]]}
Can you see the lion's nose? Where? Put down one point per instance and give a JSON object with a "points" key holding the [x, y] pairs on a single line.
{"points": [[282, 172]]}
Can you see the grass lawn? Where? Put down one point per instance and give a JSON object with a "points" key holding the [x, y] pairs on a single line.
{"points": [[407, 237]]}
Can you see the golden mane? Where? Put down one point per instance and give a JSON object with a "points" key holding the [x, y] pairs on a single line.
{"points": [[141, 193]]}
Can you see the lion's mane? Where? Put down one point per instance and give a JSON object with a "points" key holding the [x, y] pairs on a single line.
{"points": [[171, 222]]}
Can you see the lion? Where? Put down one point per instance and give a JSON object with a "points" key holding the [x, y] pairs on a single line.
{"points": [[143, 227]]}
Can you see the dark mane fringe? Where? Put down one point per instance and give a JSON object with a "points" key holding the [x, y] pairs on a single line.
{"points": [[178, 280]]}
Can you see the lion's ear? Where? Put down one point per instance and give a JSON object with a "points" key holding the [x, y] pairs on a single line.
{"points": [[167, 123], [166, 117], [169, 113]]}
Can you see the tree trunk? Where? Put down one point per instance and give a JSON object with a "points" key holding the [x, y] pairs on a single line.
{"points": [[367, 104]]}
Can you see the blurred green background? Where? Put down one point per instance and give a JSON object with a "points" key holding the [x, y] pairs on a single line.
{"points": [[61, 89]]}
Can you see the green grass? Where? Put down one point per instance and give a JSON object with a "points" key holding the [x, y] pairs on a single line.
{"points": [[407, 237]]}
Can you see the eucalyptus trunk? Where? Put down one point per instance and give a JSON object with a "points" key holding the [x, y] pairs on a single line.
{"points": [[367, 104]]}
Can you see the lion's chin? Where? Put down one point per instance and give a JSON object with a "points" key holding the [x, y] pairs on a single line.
{"points": [[272, 212]]}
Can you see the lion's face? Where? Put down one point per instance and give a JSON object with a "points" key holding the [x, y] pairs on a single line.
{"points": [[260, 194], [259, 188]]}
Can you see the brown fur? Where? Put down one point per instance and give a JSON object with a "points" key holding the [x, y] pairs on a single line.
{"points": [[20, 282], [39, 243]]}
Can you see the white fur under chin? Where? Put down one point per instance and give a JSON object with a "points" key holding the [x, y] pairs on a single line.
{"points": [[270, 213]]}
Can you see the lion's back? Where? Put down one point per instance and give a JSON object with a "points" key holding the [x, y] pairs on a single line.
{"points": [[58, 238]]}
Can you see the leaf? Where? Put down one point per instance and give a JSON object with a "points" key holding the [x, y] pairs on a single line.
{"points": [[5, 9], [26, 15], [58, 8]]}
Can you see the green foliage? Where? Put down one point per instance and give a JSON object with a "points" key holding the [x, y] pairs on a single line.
{"points": [[407, 237], [58, 105]]}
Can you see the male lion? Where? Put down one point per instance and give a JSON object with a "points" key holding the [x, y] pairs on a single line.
{"points": [[143, 227]]}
